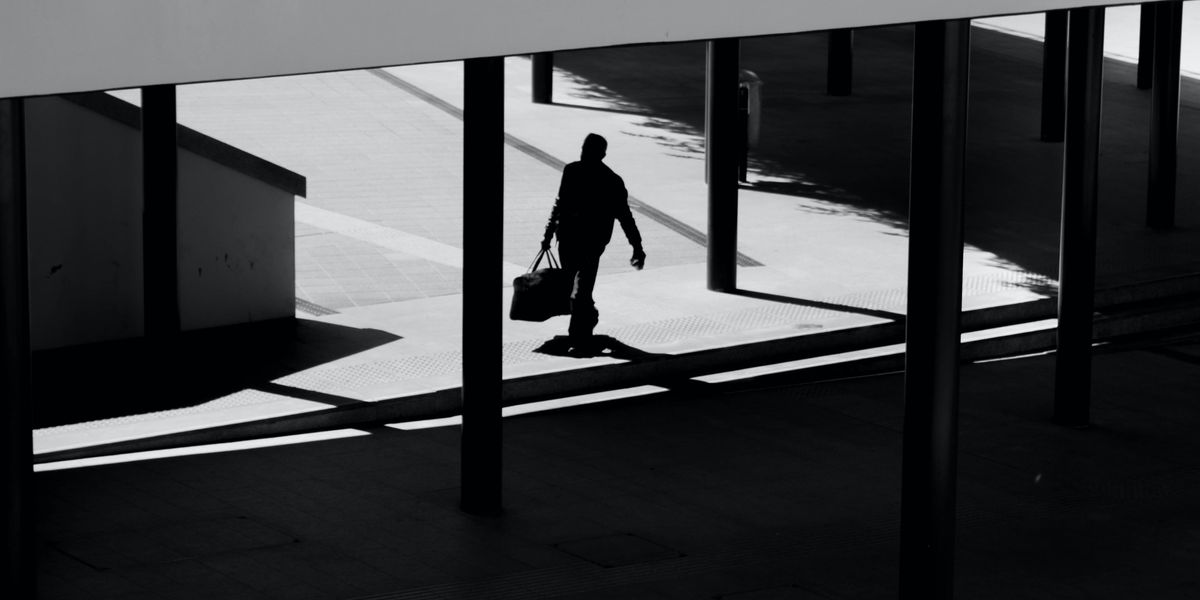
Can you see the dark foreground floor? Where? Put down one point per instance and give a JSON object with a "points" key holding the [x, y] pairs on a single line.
{"points": [[790, 492]]}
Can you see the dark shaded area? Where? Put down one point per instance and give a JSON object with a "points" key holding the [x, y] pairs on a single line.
{"points": [[128, 377], [771, 492], [174, 543], [303, 394], [853, 151], [601, 345]]}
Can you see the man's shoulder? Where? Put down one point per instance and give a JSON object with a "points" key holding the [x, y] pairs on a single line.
{"points": [[616, 179], [595, 170], [604, 170]]}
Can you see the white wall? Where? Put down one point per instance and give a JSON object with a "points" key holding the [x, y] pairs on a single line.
{"points": [[236, 234], [57, 46], [85, 225], [237, 247]]}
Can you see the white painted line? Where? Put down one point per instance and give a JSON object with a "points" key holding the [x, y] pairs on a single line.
{"points": [[301, 438], [386, 237]]}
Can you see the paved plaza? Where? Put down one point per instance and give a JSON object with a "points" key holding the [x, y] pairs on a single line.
{"points": [[822, 220]]}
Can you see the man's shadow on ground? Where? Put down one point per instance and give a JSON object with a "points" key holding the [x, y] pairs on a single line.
{"points": [[600, 345]]}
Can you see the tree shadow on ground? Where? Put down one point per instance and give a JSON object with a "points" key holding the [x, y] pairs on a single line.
{"points": [[130, 377], [806, 137], [600, 346]]}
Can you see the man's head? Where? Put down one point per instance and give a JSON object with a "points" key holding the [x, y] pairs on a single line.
{"points": [[594, 147]]}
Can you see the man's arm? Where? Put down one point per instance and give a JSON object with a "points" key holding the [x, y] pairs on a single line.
{"points": [[629, 226], [551, 226], [552, 223]]}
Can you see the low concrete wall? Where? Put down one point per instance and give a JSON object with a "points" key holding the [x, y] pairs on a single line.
{"points": [[236, 231], [85, 225]]}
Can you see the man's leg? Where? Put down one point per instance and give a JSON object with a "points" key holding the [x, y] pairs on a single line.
{"points": [[583, 308]]}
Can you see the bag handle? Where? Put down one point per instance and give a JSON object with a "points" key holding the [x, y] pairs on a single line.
{"points": [[550, 260]]}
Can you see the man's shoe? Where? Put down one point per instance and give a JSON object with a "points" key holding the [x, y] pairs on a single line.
{"points": [[582, 347]]}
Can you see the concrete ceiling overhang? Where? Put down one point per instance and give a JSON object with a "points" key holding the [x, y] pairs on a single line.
{"points": [[59, 46]]}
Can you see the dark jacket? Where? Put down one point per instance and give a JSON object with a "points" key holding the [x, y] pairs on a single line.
{"points": [[590, 197]]}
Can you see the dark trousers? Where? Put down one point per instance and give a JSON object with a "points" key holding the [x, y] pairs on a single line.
{"points": [[582, 263]]}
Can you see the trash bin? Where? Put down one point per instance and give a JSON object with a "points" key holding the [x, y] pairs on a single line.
{"points": [[750, 119], [750, 101]]}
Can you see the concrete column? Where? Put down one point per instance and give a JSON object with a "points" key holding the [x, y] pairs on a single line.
{"points": [[840, 62], [1164, 117], [1054, 76], [935, 248], [543, 77], [721, 153], [1077, 254], [15, 378], [1145, 65], [160, 194], [483, 245]]}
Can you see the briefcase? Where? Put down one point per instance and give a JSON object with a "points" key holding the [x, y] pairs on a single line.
{"points": [[541, 293]]}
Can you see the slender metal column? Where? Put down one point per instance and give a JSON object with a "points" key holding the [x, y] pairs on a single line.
{"points": [[1077, 254], [15, 378], [721, 150], [935, 248], [1054, 76], [543, 77], [1145, 65], [1164, 118], [160, 191], [483, 243], [840, 62]]}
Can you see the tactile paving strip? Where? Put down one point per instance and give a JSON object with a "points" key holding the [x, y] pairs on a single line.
{"points": [[237, 399], [360, 375], [647, 335], [313, 308], [986, 284], [655, 333]]}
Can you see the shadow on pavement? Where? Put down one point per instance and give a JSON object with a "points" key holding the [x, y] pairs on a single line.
{"points": [[601, 345], [858, 310], [129, 377]]}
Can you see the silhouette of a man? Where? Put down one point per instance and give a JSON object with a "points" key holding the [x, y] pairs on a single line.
{"points": [[590, 197]]}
